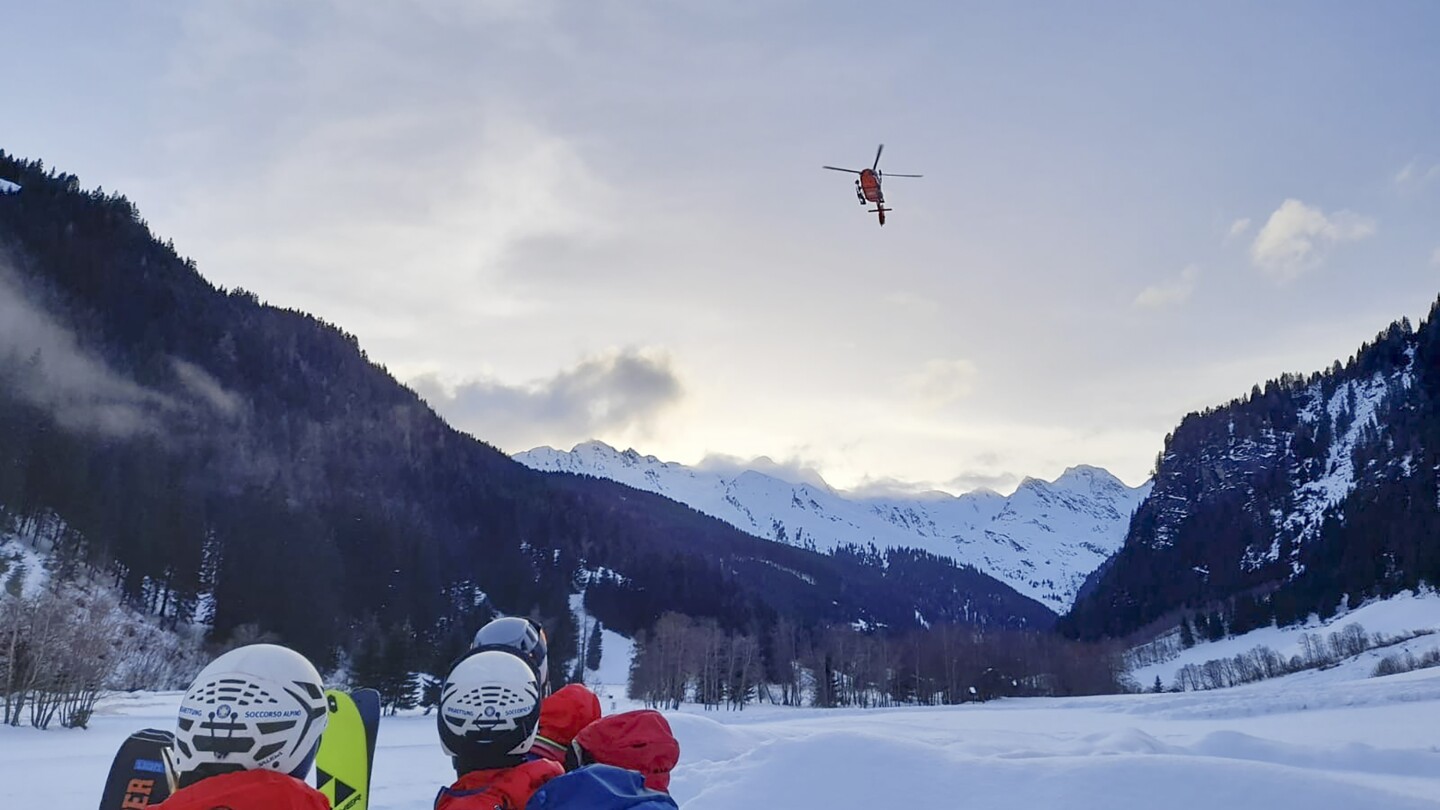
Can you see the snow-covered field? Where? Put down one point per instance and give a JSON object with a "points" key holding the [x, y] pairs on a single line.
{"points": [[1343, 744]]}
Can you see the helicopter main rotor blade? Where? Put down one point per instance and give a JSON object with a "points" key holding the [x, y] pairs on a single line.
{"points": [[876, 165], [888, 174], [838, 169]]}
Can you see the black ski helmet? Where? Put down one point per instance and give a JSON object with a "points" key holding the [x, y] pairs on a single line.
{"points": [[523, 637], [489, 710]]}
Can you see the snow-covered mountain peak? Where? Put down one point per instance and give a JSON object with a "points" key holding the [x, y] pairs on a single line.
{"points": [[1043, 540], [978, 494], [1089, 476], [600, 450]]}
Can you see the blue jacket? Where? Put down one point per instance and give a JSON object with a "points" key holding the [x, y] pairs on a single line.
{"points": [[599, 787]]}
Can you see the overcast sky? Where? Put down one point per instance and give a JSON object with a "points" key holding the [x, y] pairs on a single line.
{"points": [[607, 218]]}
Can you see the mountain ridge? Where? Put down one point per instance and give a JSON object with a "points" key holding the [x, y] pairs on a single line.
{"points": [[1042, 540]]}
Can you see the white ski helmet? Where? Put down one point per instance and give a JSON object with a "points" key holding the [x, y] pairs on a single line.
{"points": [[489, 710], [522, 636], [260, 706]]}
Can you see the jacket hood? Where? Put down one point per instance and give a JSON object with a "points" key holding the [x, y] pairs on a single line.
{"points": [[639, 741], [562, 716]]}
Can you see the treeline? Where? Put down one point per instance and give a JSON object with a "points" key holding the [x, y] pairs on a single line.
{"points": [[685, 660], [1317, 651], [1408, 662], [682, 660], [1233, 617]]}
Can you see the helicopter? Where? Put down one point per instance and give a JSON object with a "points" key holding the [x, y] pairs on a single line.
{"points": [[867, 186]]}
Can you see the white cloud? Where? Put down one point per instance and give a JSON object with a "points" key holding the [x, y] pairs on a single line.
{"points": [[794, 470], [1238, 228], [415, 189], [48, 367], [968, 481], [1416, 173], [206, 388], [888, 487], [1297, 236], [619, 391], [979, 479], [1172, 292], [943, 382]]}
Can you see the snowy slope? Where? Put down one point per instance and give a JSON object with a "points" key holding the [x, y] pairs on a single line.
{"points": [[22, 568], [1398, 616], [616, 654], [1043, 540], [7, 187], [1334, 746], [149, 650]]}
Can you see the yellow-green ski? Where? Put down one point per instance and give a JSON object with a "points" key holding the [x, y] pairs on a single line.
{"points": [[342, 766]]}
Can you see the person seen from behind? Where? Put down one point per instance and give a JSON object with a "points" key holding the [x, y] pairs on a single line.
{"points": [[227, 755], [489, 715]]}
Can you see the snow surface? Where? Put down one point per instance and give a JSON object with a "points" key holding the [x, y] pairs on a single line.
{"points": [[1397, 616], [1341, 745], [7, 187], [22, 568], [616, 654], [1043, 540]]}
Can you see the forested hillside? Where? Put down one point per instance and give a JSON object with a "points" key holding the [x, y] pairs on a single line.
{"points": [[1311, 492]]}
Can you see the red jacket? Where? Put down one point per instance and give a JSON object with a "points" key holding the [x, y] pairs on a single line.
{"points": [[247, 790], [562, 715], [498, 788], [638, 741]]}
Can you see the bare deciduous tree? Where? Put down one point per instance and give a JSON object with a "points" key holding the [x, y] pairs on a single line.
{"points": [[62, 647]]}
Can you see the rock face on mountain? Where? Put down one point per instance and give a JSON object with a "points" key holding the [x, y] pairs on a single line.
{"points": [[1043, 540], [1310, 491]]}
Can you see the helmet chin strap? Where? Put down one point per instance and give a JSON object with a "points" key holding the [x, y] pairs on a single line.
{"points": [[205, 771], [303, 769], [466, 764], [575, 757]]}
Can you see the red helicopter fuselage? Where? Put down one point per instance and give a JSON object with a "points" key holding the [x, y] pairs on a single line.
{"points": [[870, 186]]}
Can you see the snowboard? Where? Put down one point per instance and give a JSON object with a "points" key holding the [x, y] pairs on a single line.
{"points": [[347, 748], [142, 774]]}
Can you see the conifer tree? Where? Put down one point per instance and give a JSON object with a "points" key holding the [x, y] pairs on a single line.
{"points": [[592, 648]]}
